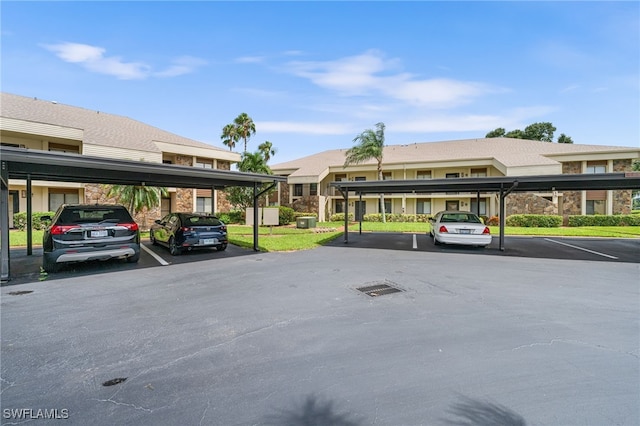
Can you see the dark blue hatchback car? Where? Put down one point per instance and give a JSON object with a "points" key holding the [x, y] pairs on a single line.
{"points": [[188, 231]]}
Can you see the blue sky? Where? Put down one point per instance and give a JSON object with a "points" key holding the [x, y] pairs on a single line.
{"points": [[313, 75]]}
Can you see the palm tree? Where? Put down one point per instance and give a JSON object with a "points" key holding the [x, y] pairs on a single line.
{"points": [[230, 136], [370, 145], [245, 127], [254, 162], [137, 197], [267, 150]]}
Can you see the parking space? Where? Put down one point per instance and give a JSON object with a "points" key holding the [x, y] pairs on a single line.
{"points": [[26, 269], [592, 249]]}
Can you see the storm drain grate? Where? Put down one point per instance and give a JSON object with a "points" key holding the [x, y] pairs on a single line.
{"points": [[379, 289], [20, 293]]}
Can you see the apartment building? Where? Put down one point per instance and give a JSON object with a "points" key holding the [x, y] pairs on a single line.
{"points": [[45, 125], [307, 188]]}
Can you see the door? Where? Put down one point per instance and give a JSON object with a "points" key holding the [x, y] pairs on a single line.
{"points": [[14, 206], [361, 210]]}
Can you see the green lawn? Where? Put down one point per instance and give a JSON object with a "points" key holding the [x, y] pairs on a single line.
{"points": [[288, 238]]}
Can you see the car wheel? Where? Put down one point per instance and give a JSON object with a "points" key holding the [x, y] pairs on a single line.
{"points": [[173, 248], [222, 247], [49, 266], [153, 238], [134, 258], [435, 241]]}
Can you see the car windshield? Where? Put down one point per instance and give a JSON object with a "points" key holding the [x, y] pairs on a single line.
{"points": [[79, 215], [203, 221], [460, 217]]}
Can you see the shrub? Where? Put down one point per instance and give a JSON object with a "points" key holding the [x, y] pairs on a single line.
{"points": [[493, 221], [339, 217], [286, 215], [605, 220], [534, 221], [236, 216], [395, 217], [20, 220], [304, 214]]}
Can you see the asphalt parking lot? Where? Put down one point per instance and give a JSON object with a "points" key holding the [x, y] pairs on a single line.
{"points": [[473, 337]]}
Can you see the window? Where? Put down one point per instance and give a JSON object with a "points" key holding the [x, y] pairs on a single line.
{"points": [[204, 163], [58, 198], [387, 176], [596, 207], [297, 190], [340, 177], [423, 174], [423, 206], [203, 204], [452, 175], [339, 206], [483, 207], [58, 147], [596, 167], [387, 206], [478, 173], [313, 189], [360, 178]]}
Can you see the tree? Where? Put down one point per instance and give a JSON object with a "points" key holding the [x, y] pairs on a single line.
{"points": [[564, 138], [240, 196], [230, 136], [542, 131], [267, 150], [137, 197], [370, 145], [245, 127]]}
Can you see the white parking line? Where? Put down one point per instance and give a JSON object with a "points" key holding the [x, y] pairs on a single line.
{"points": [[581, 248], [154, 255], [415, 242]]}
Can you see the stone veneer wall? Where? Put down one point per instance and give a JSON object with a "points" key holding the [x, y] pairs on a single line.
{"points": [[285, 188], [307, 204], [97, 194], [222, 204], [571, 200], [527, 203], [622, 198]]}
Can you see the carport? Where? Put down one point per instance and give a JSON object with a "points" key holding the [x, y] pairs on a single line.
{"points": [[29, 165], [502, 185]]}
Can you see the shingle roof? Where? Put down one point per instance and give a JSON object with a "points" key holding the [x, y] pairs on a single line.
{"points": [[510, 152], [99, 128]]}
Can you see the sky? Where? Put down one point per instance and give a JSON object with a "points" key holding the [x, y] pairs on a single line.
{"points": [[314, 75]]}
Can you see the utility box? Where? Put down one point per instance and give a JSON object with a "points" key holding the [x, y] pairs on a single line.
{"points": [[305, 222]]}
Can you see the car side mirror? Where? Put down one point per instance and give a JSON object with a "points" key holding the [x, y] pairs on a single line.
{"points": [[45, 218]]}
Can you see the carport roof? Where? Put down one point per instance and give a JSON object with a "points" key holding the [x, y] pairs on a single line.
{"points": [[539, 183], [62, 167]]}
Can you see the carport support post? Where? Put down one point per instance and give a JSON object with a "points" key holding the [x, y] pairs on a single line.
{"points": [[29, 218], [501, 215], [255, 216], [4, 222], [360, 214]]}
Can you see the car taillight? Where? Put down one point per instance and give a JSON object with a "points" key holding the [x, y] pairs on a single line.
{"points": [[62, 229], [443, 229], [223, 228], [186, 229], [486, 230], [130, 226]]}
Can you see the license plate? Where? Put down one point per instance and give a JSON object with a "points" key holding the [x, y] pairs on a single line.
{"points": [[465, 231], [98, 234], [209, 241]]}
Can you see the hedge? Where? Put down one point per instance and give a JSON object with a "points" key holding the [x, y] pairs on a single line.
{"points": [[605, 220], [20, 220], [534, 221], [286, 215], [339, 217], [393, 217]]}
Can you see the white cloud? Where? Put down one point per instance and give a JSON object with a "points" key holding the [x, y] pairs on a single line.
{"points": [[93, 59], [372, 74], [250, 59]]}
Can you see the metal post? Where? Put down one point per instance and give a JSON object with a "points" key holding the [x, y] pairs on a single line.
{"points": [[255, 216], [478, 203], [4, 222], [501, 213], [346, 216], [29, 218], [360, 214]]}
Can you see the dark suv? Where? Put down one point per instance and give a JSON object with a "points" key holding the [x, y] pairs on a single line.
{"points": [[82, 232]]}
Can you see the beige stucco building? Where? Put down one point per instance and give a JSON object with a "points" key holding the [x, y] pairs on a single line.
{"points": [[44, 125], [308, 178]]}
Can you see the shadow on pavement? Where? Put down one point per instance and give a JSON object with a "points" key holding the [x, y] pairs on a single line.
{"points": [[473, 412], [313, 412]]}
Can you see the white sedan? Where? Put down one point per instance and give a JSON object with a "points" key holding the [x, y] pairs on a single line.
{"points": [[459, 227]]}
